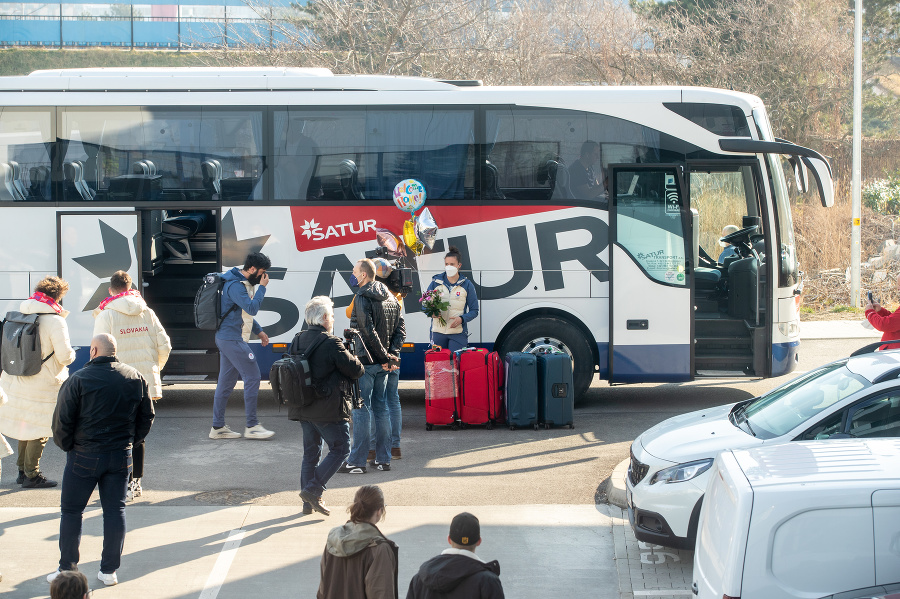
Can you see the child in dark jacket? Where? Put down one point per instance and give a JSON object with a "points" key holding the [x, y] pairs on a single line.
{"points": [[457, 572]]}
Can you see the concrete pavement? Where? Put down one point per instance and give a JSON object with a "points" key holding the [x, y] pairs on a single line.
{"points": [[273, 552]]}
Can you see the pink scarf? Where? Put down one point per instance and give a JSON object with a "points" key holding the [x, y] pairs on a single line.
{"points": [[133, 292], [46, 299]]}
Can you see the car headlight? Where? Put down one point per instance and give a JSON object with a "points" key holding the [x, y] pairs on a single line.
{"points": [[682, 472]]}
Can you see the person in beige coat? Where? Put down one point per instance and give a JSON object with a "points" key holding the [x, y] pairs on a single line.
{"points": [[28, 414], [141, 342]]}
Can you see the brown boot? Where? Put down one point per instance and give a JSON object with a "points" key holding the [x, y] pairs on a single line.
{"points": [[395, 453]]}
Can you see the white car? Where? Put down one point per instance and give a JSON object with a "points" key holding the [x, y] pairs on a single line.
{"points": [[667, 476]]}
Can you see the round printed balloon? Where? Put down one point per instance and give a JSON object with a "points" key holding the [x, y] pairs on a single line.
{"points": [[409, 195], [383, 268]]}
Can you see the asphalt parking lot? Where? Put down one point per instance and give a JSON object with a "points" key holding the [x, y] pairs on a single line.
{"points": [[219, 518]]}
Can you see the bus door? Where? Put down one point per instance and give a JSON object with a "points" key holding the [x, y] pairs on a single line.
{"points": [[92, 246], [651, 281]]}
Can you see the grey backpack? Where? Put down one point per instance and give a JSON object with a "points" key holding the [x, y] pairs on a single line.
{"points": [[20, 345], [208, 303]]}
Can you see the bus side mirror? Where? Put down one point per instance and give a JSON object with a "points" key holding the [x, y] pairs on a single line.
{"points": [[822, 174], [801, 174]]}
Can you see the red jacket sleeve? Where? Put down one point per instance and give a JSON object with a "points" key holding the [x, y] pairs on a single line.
{"points": [[884, 321]]}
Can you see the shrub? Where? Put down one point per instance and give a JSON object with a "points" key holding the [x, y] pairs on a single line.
{"points": [[882, 195]]}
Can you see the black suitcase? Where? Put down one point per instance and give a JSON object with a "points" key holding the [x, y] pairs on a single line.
{"points": [[556, 390], [521, 389]]}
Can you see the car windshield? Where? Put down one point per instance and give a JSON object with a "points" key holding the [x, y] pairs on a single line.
{"points": [[785, 408]]}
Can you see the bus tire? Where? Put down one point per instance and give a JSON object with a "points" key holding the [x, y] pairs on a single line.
{"points": [[541, 333]]}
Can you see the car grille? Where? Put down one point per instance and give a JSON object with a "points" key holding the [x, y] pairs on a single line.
{"points": [[637, 471]]}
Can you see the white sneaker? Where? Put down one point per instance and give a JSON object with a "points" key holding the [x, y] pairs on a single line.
{"points": [[107, 579], [129, 492], [257, 432], [223, 433], [138, 491], [52, 577]]}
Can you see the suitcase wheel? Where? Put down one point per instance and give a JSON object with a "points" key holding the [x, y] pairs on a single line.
{"points": [[546, 426], [454, 427], [535, 426], [571, 426], [490, 426], [511, 427], [428, 427], [462, 426]]}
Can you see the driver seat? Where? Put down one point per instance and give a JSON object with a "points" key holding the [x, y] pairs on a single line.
{"points": [[706, 280]]}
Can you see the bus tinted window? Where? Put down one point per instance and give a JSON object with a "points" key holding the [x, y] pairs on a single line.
{"points": [[361, 154], [720, 119], [25, 141], [543, 154], [144, 154]]}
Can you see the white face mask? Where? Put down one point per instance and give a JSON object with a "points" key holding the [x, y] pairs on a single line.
{"points": [[451, 270]]}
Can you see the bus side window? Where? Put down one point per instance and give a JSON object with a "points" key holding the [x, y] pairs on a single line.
{"points": [[25, 154]]}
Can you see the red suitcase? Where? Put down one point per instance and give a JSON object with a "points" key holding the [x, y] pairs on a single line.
{"points": [[478, 389], [440, 388], [495, 386]]}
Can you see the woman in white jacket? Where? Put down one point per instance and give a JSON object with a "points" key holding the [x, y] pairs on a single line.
{"points": [[28, 414], [141, 342]]}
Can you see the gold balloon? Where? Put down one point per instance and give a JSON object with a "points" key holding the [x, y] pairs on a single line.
{"points": [[409, 236]]}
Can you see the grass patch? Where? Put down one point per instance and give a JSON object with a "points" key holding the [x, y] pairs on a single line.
{"points": [[841, 308], [21, 61]]}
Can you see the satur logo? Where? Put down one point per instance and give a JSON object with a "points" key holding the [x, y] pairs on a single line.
{"points": [[314, 231]]}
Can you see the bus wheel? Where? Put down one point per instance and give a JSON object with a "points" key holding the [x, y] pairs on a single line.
{"points": [[546, 334]]}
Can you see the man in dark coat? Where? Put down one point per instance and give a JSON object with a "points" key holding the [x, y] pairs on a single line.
{"points": [[101, 412], [378, 316], [326, 416], [457, 572]]}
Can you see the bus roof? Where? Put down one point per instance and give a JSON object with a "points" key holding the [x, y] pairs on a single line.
{"points": [[208, 79]]}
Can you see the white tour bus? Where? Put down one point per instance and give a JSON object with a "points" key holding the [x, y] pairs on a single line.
{"points": [[588, 217]]}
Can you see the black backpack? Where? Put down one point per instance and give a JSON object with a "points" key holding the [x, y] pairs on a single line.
{"points": [[291, 377], [208, 303], [20, 347]]}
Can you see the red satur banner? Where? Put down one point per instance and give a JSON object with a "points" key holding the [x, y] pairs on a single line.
{"points": [[318, 227]]}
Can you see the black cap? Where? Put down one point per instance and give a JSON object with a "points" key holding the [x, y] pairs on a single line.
{"points": [[465, 529]]}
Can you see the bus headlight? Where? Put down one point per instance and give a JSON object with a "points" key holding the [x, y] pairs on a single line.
{"points": [[682, 472], [789, 329]]}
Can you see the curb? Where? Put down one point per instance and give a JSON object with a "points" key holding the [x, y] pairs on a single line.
{"points": [[615, 485]]}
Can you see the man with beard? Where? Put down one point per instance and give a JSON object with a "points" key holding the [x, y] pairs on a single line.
{"points": [[241, 299]]}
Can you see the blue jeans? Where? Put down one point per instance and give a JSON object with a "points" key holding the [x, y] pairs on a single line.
{"points": [[236, 360], [372, 392], [392, 394], [84, 472], [336, 435], [451, 342]]}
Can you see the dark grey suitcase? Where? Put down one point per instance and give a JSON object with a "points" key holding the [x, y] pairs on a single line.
{"points": [[521, 390], [556, 390]]}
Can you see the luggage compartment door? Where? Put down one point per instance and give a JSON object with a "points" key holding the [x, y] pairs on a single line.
{"points": [[92, 246], [651, 320]]}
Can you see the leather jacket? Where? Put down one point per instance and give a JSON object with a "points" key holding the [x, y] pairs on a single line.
{"points": [[379, 318]]}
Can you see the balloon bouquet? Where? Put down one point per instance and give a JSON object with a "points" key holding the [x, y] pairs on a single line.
{"points": [[397, 253], [419, 231]]}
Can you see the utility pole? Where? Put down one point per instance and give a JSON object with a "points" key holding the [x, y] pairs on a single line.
{"points": [[855, 181]]}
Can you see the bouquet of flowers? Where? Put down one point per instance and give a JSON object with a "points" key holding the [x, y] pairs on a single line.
{"points": [[433, 305]]}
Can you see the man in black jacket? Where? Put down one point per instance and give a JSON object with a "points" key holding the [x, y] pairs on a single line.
{"points": [[101, 412], [457, 572], [378, 316], [324, 417]]}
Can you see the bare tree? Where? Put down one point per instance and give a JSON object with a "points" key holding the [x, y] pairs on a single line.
{"points": [[795, 54]]}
